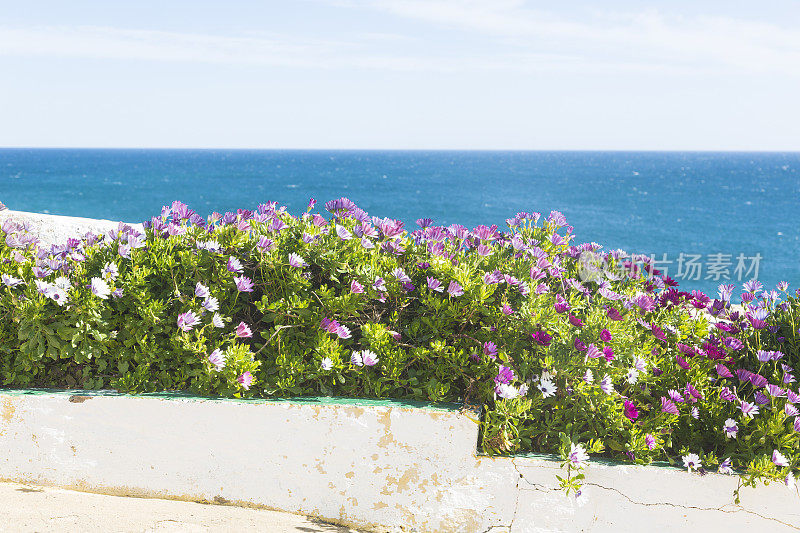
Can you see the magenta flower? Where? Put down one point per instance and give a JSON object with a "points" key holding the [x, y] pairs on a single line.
{"points": [[243, 284], [630, 410], [650, 442], [245, 380], [507, 309], [542, 338], [343, 332], [613, 314], [727, 395], [369, 358], [605, 336], [561, 305], [243, 331], [575, 321], [682, 362], [668, 406], [454, 289], [797, 424], [723, 372], [579, 345], [504, 375], [187, 321], [608, 353], [296, 261]]}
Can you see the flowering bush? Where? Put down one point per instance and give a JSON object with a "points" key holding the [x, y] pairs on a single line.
{"points": [[567, 348]]}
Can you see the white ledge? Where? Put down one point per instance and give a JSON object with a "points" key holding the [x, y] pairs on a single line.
{"points": [[369, 464], [56, 229]]}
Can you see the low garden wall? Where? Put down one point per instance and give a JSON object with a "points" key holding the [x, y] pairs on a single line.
{"points": [[378, 465]]}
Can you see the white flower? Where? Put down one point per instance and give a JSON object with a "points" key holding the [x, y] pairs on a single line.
{"points": [[63, 283], [44, 288], [588, 377], [639, 364], [578, 457], [633, 376], [110, 271], [730, 428], [58, 295], [692, 461], [327, 363], [789, 481], [356, 359], [211, 304], [201, 291], [523, 389], [100, 288], [506, 391], [725, 467], [548, 375], [217, 321], [779, 459], [10, 281], [547, 387], [607, 385], [369, 358]]}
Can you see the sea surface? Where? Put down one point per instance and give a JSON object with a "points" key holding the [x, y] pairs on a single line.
{"points": [[718, 206]]}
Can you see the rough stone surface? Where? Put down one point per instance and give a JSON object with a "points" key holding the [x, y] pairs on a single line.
{"points": [[371, 465], [56, 229]]}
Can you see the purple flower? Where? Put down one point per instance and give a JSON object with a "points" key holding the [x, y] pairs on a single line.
{"points": [[606, 384], [726, 394], [243, 331], [575, 321], [561, 305], [234, 265], [435, 285], [201, 291], [217, 359], [748, 409], [797, 424], [296, 261], [211, 304], [243, 284], [758, 318], [726, 467], [504, 375], [507, 309], [608, 353], [454, 289], [650, 442], [668, 406], [613, 314], [343, 332], [723, 371], [605, 336], [379, 284], [400, 275], [265, 244], [343, 233], [542, 338], [682, 362], [592, 352], [245, 380], [356, 287], [579, 345], [490, 349], [187, 321]]}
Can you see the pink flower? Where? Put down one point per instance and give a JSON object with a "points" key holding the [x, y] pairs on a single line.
{"points": [[779, 459], [234, 265], [356, 287], [650, 442], [245, 380], [187, 321], [454, 289], [296, 261], [243, 331], [592, 352], [217, 359], [243, 284], [668, 406]]}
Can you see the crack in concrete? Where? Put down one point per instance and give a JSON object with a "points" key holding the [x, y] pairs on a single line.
{"points": [[721, 509]]}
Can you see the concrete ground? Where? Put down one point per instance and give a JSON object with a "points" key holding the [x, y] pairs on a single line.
{"points": [[30, 508]]}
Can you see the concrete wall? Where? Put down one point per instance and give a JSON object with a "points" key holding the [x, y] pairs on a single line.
{"points": [[56, 229], [368, 464]]}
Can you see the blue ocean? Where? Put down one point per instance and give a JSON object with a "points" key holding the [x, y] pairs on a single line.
{"points": [[708, 218]]}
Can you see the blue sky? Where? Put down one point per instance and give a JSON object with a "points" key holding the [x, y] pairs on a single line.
{"points": [[419, 74]]}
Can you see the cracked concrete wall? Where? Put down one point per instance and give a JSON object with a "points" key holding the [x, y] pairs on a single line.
{"points": [[375, 465], [56, 229]]}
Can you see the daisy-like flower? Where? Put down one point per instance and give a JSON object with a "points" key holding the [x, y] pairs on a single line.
{"points": [[578, 458], [692, 461], [730, 428], [245, 380], [379, 284], [217, 359], [547, 387], [243, 284], [791, 410], [633, 376], [119, 293], [327, 364], [356, 359], [668, 406], [265, 244], [296, 261], [506, 391], [650, 441], [592, 352], [588, 377], [454, 289], [10, 281], [234, 265], [606, 384], [695, 412], [369, 358], [243, 331], [201, 291], [343, 332], [187, 321], [630, 411], [217, 321], [748, 409], [779, 459], [726, 467], [434, 284], [100, 288], [62, 283], [490, 349], [400, 275], [211, 304], [343, 233], [789, 481], [356, 287], [110, 271]]}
